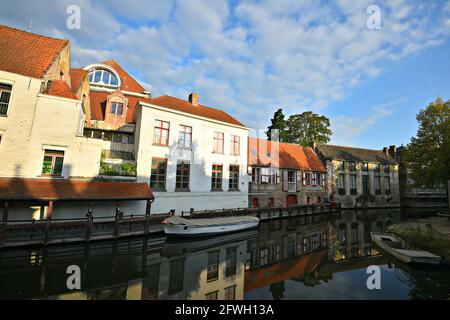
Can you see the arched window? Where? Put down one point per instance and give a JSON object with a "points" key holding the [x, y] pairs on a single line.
{"points": [[103, 76]]}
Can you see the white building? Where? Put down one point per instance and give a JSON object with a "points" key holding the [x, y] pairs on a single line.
{"points": [[194, 156]]}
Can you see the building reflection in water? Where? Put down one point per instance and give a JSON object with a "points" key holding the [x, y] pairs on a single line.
{"points": [[305, 249]]}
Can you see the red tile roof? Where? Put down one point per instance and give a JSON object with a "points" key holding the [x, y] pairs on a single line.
{"points": [[76, 78], [26, 53], [128, 82], [98, 105], [291, 156], [60, 88], [200, 110], [274, 273], [51, 190]]}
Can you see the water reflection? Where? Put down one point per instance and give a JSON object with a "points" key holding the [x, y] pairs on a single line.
{"points": [[320, 256]]}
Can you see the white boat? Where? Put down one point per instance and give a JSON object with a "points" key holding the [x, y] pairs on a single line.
{"points": [[178, 226], [393, 246]]}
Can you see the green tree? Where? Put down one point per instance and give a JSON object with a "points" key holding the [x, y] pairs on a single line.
{"points": [[278, 123], [428, 154], [308, 128], [277, 290]]}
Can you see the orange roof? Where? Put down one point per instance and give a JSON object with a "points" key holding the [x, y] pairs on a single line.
{"points": [[55, 189], [98, 105], [60, 88], [266, 275], [26, 53], [200, 110], [128, 82], [76, 77], [291, 156]]}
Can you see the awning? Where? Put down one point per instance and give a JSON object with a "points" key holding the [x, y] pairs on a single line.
{"points": [[58, 189]]}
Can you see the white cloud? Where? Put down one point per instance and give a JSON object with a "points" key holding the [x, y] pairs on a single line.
{"points": [[249, 58]]}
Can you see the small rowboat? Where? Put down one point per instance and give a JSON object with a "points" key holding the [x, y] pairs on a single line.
{"points": [[393, 246], [178, 226]]}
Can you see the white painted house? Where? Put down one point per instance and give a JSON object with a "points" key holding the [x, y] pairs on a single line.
{"points": [[193, 156]]}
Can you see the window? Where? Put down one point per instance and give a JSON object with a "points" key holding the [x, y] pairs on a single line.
{"points": [[365, 184], [234, 178], [230, 293], [182, 177], [176, 276], [341, 184], [307, 178], [265, 175], [161, 134], [386, 169], [122, 138], [340, 166], [230, 264], [319, 179], [235, 145], [185, 138], [53, 162], [377, 185], [212, 272], [387, 185], [351, 166], [212, 295], [158, 174], [5, 95], [342, 235], [305, 245], [152, 290], [117, 108], [314, 179], [364, 167], [218, 142], [102, 76], [353, 184], [377, 168], [354, 230], [292, 183], [216, 179]]}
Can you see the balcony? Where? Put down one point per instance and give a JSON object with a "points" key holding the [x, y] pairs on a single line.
{"points": [[117, 164], [262, 187]]}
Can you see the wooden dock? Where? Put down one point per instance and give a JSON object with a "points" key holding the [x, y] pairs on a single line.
{"points": [[15, 233]]}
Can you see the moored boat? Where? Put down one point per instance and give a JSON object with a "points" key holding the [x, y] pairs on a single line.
{"points": [[178, 226], [393, 246]]}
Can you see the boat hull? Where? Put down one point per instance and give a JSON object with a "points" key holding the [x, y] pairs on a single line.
{"points": [[405, 256], [195, 231]]}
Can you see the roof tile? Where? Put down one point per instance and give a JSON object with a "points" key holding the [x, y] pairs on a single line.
{"points": [[60, 88]]}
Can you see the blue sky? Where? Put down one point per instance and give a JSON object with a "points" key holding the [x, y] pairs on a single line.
{"points": [[251, 57]]}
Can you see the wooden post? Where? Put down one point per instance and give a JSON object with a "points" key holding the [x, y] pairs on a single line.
{"points": [[47, 232], [50, 210], [117, 220], [191, 212], [89, 222], [5, 211], [147, 216]]}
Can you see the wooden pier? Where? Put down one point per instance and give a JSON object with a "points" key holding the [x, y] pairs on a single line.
{"points": [[15, 233]]}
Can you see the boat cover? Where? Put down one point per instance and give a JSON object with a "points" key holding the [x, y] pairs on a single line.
{"points": [[203, 222]]}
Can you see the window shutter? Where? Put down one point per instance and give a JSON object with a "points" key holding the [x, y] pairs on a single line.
{"points": [[323, 179], [299, 179], [304, 179], [285, 180]]}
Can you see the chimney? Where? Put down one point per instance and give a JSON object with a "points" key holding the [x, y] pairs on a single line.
{"points": [[385, 150], [193, 98], [392, 151]]}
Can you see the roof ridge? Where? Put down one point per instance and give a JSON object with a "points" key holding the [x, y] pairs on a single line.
{"points": [[339, 146], [32, 33]]}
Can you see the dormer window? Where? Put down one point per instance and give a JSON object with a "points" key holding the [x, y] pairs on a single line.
{"points": [[103, 77], [117, 108]]}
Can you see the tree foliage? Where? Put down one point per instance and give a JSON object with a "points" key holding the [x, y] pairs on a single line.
{"points": [[305, 129], [428, 154], [278, 123]]}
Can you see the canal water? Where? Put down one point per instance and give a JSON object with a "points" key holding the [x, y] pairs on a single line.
{"points": [[310, 257]]}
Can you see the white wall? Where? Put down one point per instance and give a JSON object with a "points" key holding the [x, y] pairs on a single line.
{"points": [[200, 157]]}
